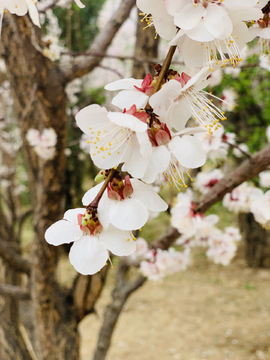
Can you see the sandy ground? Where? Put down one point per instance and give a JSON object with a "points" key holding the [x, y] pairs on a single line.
{"points": [[208, 312]]}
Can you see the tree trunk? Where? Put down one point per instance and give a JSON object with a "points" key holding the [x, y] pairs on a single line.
{"points": [[146, 47], [40, 102], [256, 239]]}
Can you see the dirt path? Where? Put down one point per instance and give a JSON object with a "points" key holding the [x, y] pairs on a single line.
{"points": [[208, 312]]}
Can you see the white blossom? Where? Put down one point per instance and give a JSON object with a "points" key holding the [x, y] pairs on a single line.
{"points": [[89, 252], [265, 179]]}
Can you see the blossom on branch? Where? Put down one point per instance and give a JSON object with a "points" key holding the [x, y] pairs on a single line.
{"points": [[211, 28], [116, 138], [126, 203], [91, 243], [183, 97], [134, 92]]}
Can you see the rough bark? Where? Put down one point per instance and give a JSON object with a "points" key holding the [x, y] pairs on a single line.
{"points": [[146, 45], [40, 102], [256, 240], [38, 87], [12, 345]]}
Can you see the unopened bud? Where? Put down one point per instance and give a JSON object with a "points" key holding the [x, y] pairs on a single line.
{"points": [[101, 176]]}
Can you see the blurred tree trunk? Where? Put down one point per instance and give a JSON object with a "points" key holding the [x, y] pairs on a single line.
{"points": [[38, 88], [256, 239], [146, 47], [12, 345], [40, 102]]}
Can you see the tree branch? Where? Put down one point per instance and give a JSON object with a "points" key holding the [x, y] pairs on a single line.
{"points": [[246, 171], [15, 260], [13, 291], [120, 295], [102, 41]]}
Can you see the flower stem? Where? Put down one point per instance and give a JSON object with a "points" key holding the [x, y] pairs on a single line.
{"points": [[164, 69], [94, 203]]}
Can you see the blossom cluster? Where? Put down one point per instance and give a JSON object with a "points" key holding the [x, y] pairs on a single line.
{"points": [[157, 264], [164, 127], [199, 230]]}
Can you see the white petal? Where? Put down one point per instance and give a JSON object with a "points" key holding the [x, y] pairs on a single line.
{"points": [[199, 33], [123, 84], [164, 25], [193, 53], [147, 196], [158, 163], [72, 215], [174, 7], [188, 150], [137, 161], [33, 12], [92, 116], [89, 196], [129, 214], [16, 7], [126, 98], [116, 241], [217, 22], [162, 99], [88, 255], [63, 232], [178, 115], [104, 207], [128, 121], [189, 16], [103, 160]]}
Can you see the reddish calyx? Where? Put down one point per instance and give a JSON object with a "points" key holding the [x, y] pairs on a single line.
{"points": [[146, 86], [89, 222], [119, 189], [159, 134]]}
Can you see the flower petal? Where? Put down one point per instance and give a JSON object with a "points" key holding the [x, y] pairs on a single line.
{"points": [[128, 121], [217, 22], [89, 196], [92, 116], [126, 98], [123, 84], [117, 241], [129, 214], [188, 150], [189, 16], [63, 232], [147, 196], [72, 215], [158, 163], [88, 255], [33, 12], [137, 161]]}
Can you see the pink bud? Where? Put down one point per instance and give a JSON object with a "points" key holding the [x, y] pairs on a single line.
{"points": [[128, 189]]}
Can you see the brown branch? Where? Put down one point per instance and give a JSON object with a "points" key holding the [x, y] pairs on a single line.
{"points": [[120, 295], [102, 41], [246, 171], [13, 291], [15, 260], [118, 57]]}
